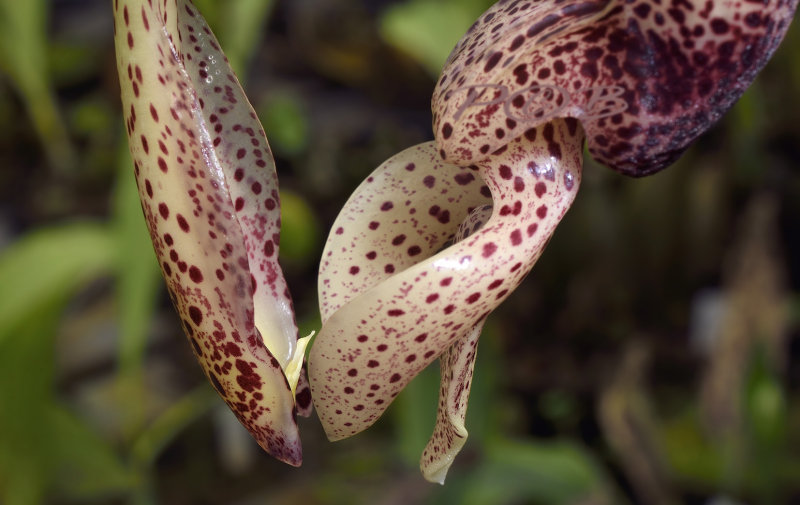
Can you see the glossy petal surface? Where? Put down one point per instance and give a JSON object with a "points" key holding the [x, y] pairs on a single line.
{"points": [[382, 335], [209, 194], [645, 78]]}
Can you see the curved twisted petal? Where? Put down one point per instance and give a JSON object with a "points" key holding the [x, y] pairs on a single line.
{"points": [[209, 193], [645, 78], [384, 331], [456, 367]]}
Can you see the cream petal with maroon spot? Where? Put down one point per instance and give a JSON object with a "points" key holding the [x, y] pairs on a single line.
{"points": [[210, 197], [378, 339], [645, 78]]}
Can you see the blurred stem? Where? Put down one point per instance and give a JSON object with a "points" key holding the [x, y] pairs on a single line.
{"points": [[136, 290], [163, 430], [23, 41]]}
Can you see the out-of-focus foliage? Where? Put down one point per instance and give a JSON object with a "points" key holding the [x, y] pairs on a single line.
{"points": [[652, 357]]}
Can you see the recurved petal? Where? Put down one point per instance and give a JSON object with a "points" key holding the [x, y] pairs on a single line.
{"points": [[376, 342], [404, 212], [645, 78], [209, 195], [456, 367]]}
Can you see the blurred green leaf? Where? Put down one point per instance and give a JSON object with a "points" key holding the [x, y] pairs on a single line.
{"points": [[49, 264], [550, 473], [138, 283], [285, 123], [300, 231], [23, 57], [428, 30], [414, 414], [88, 466], [26, 377], [240, 29]]}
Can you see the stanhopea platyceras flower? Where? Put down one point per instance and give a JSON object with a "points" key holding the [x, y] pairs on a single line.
{"points": [[440, 234], [642, 79]]}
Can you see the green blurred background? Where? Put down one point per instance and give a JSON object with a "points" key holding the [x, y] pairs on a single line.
{"points": [[652, 357]]}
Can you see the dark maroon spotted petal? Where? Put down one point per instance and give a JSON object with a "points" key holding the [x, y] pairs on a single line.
{"points": [[645, 78], [385, 330], [209, 193]]}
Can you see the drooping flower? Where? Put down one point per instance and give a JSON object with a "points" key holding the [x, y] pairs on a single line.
{"points": [[642, 79]]}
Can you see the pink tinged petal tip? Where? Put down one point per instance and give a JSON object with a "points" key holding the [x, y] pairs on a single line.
{"points": [[209, 193]]}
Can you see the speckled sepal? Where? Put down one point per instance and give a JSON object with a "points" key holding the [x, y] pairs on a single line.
{"points": [[209, 193]]}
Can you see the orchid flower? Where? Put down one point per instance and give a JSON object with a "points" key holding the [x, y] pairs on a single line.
{"points": [[440, 234], [642, 79]]}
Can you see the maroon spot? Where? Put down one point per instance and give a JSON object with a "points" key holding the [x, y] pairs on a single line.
{"points": [[540, 189], [495, 284], [387, 206], [381, 347], [371, 255], [145, 145], [195, 274], [269, 248], [256, 188], [372, 363], [348, 390], [241, 153], [239, 205], [515, 267], [373, 225], [162, 164], [238, 175], [444, 217], [395, 312], [474, 297], [220, 274], [489, 248], [352, 372], [516, 237], [532, 229], [428, 181], [354, 270], [362, 338], [446, 281], [394, 378], [449, 309], [183, 224], [303, 398], [447, 130], [414, 250], [154, 113], [389, 269], [358, 407], [168, 239], [163, 210], [196, 315], [421, 337], [492, 61], [518, 184], [501, 294], [411, 358], [432, 298], [398, 239], [464, 178], [541, 211]]}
